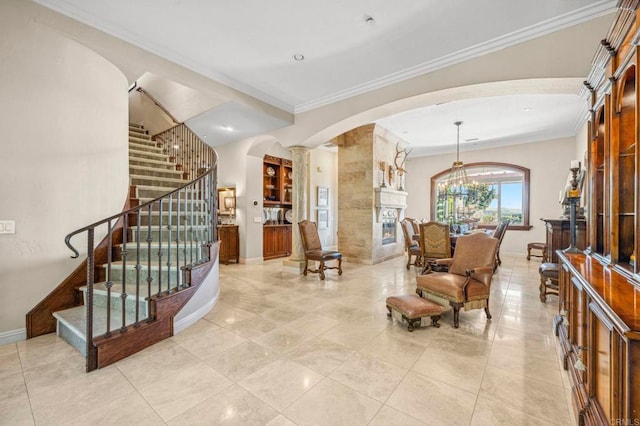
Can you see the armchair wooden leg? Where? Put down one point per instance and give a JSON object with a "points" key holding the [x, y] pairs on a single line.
{"points": [[486, 310], [389, 309], [456, 313], [306, 267], [340, 266], [322, 268], [409, 262]]}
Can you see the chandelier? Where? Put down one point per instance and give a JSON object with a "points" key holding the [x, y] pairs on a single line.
{"points": [[456, 185]]}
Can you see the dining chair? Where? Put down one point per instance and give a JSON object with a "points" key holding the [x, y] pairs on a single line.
{"points": [[498, 234], [435, 243], [411, 244], [313, 250]]}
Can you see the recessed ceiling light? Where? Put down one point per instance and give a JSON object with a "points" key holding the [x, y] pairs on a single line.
{"points": [[527, 109], [369, 20], [227, 128], [298, 57]]}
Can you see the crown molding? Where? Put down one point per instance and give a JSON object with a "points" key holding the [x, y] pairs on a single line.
{"points": [[566, 20], [549, 26], [68, 10]]}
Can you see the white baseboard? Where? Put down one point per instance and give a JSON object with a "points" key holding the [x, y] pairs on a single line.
{"points": [[195, 316], [13, 336]]}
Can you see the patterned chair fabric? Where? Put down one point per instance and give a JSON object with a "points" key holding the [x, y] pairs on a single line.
{"points": [[313, 251], [411, 244], [468, 282], [435, 244]]}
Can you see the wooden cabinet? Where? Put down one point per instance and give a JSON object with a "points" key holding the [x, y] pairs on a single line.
{"points": [[278, 191], [229, 243], [277, 181], [276, 241], [599, 330], [599, 317], [558, 236], [613, 197]]}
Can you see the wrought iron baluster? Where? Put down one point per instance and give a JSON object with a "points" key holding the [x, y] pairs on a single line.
{"points": [[92, 356], [138, 265], [123, 253], [192, 226], [179, 282], [169, 229], [149, 241], [159, 247], [198, 234], [186, 236], [109, 276]]}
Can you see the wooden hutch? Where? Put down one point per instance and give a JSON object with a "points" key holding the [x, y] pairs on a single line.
{"points": [[277, 192], [599, 318]]}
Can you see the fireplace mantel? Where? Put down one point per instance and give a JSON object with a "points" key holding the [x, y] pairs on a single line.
{"points": [[387, 198]]}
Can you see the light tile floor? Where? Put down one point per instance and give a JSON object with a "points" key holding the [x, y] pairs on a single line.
{"points": [[283, 349]]}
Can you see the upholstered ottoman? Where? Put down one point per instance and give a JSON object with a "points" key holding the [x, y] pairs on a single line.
{"points": [[413, 307], [549, 273]]}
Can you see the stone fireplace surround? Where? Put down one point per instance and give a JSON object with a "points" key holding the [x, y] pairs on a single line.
{"points": [[362, 202]]}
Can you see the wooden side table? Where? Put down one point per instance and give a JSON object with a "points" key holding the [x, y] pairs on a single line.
{"points": [[229, 243]]}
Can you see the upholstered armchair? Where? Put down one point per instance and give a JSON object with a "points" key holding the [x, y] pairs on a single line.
{"points": [[498, 234], [468, 282], [411, 244], [313, 250], [435, 244]]}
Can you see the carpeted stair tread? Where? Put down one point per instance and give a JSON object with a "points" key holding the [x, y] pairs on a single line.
{"points": [[157, 181], [142, 141], [72, 324], [134, 153], [146, 148], [147, 162], [161, 174]]}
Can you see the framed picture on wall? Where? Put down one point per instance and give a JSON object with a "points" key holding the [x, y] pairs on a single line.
{"points": [[323, 196], [323, 219]]}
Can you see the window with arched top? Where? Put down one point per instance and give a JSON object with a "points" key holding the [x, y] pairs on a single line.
{"points": [[496, 192]]}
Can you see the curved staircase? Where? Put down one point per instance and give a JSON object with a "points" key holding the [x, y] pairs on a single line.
{"points": [[153, 258]]}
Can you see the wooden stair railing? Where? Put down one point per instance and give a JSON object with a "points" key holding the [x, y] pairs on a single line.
{"points": [[154, 254]]}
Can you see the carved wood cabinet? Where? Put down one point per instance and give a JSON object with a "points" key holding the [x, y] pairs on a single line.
{"points": [[599, 331], [229, 236], [278, 192], [599, 313], [276, 241]]}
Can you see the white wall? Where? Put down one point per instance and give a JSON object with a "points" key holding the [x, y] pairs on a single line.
{"points": [[323, 171], [64, 162], [549, 164]]}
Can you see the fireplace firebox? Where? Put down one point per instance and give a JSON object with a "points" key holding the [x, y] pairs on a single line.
{"points": [[389, 226]]}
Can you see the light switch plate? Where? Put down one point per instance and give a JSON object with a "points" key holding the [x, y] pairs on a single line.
{"points": [[7, 226]]}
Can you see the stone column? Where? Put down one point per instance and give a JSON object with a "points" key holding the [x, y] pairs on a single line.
{"points": [[300, 157]]}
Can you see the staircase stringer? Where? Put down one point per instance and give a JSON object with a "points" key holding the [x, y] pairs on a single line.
{"points": [[123, 343]]}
